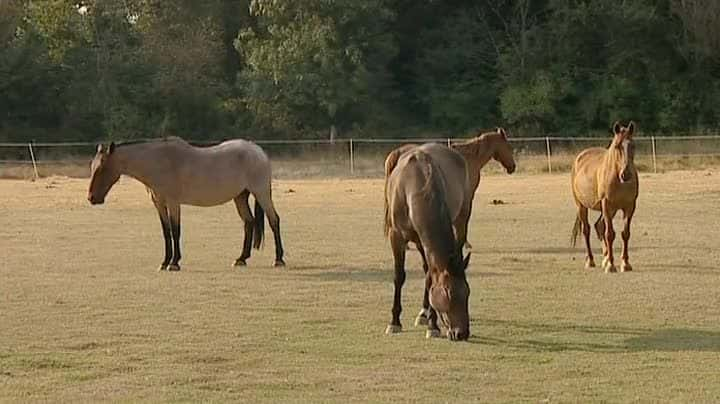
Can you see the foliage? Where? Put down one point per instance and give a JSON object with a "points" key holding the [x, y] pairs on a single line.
{"points": [[97, 69]]}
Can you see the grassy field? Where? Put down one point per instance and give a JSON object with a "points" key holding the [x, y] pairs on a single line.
{"points": [[84, 316]]}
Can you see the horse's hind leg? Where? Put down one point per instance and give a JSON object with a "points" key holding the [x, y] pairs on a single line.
{"points": [[265, 201], [583, 216], [422, 317], [625, 265], [398, 244], [243, 209], [174, 213], [167, 232]]}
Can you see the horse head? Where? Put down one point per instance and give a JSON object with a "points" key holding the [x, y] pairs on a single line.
{"points": [[104, 173], [624, 147], [449, 295], [503, 152]]}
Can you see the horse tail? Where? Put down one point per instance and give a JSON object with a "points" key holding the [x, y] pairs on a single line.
{"points": [[427, 170], [258, 226], [575, 231]]}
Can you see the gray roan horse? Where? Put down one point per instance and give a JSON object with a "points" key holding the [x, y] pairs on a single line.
{"points": [[177, 173], [417, 195]]}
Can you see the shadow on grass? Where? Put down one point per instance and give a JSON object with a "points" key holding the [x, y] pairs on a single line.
{"points": [[569, 337], [674, 340]]}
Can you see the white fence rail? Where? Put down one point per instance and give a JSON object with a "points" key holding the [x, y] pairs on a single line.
{"points": [[365, 156]]}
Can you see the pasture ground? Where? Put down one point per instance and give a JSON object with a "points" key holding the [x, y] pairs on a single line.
{"points": [[84, 316]]}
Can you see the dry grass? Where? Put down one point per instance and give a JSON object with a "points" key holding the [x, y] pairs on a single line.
{"points": [[85, 317]]}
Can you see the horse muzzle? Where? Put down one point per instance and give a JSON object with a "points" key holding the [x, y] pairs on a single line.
{"points": [[510, 169]]}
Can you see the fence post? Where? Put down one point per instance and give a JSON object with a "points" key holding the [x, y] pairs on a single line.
{"points": [[654, 155], [352, 158], [547, 147], [449, 142], [32, 158]]}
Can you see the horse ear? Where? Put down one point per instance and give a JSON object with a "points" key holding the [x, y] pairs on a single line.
{"points": [[630, 129], [617, 128], [502, 132], [466, 261], [111, 148], [99, 148]]}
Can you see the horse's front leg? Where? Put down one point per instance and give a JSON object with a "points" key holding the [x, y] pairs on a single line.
{"points": [[433, 330], [422, 317], [174, 213], [608, 213], [461, 224], [625, 265], [398, 244]]}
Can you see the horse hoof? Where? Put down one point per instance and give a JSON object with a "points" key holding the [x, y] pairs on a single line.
{"points": [[610, 268], [422, 318], [279, 263], [625, 267], [589, 264], [173, 267], [162, 267], [432, 334], [240, 263], [393, 329]]}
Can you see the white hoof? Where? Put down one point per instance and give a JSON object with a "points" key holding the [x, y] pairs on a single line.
{"points": [[422, 318], [393, 329], [432, 334]]}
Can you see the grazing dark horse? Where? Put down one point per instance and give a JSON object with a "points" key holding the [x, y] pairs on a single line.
{"points": [[476, 153], [606, 180], [418, 196], [177, 173]]}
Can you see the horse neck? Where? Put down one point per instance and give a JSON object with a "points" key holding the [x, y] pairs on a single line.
{"points": [[477, 157], [140, 161], [613, 161]]}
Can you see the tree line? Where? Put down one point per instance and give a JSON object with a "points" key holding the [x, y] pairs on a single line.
{"points": [[212, 69]]}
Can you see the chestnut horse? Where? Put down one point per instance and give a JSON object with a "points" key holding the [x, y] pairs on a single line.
{"points": [[177, 173], [606, 180], [418, 195]]}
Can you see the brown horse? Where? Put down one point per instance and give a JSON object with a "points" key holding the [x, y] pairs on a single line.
{"points": [[477, 152], [606, 180], [177, 173], [417, 199]]}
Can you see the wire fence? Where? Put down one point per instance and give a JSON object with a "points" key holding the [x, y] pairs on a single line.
{"points": [[365, 157]]}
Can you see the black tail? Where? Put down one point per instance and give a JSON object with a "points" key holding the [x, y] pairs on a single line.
{"points": [[259, 226], [575, 231]]}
